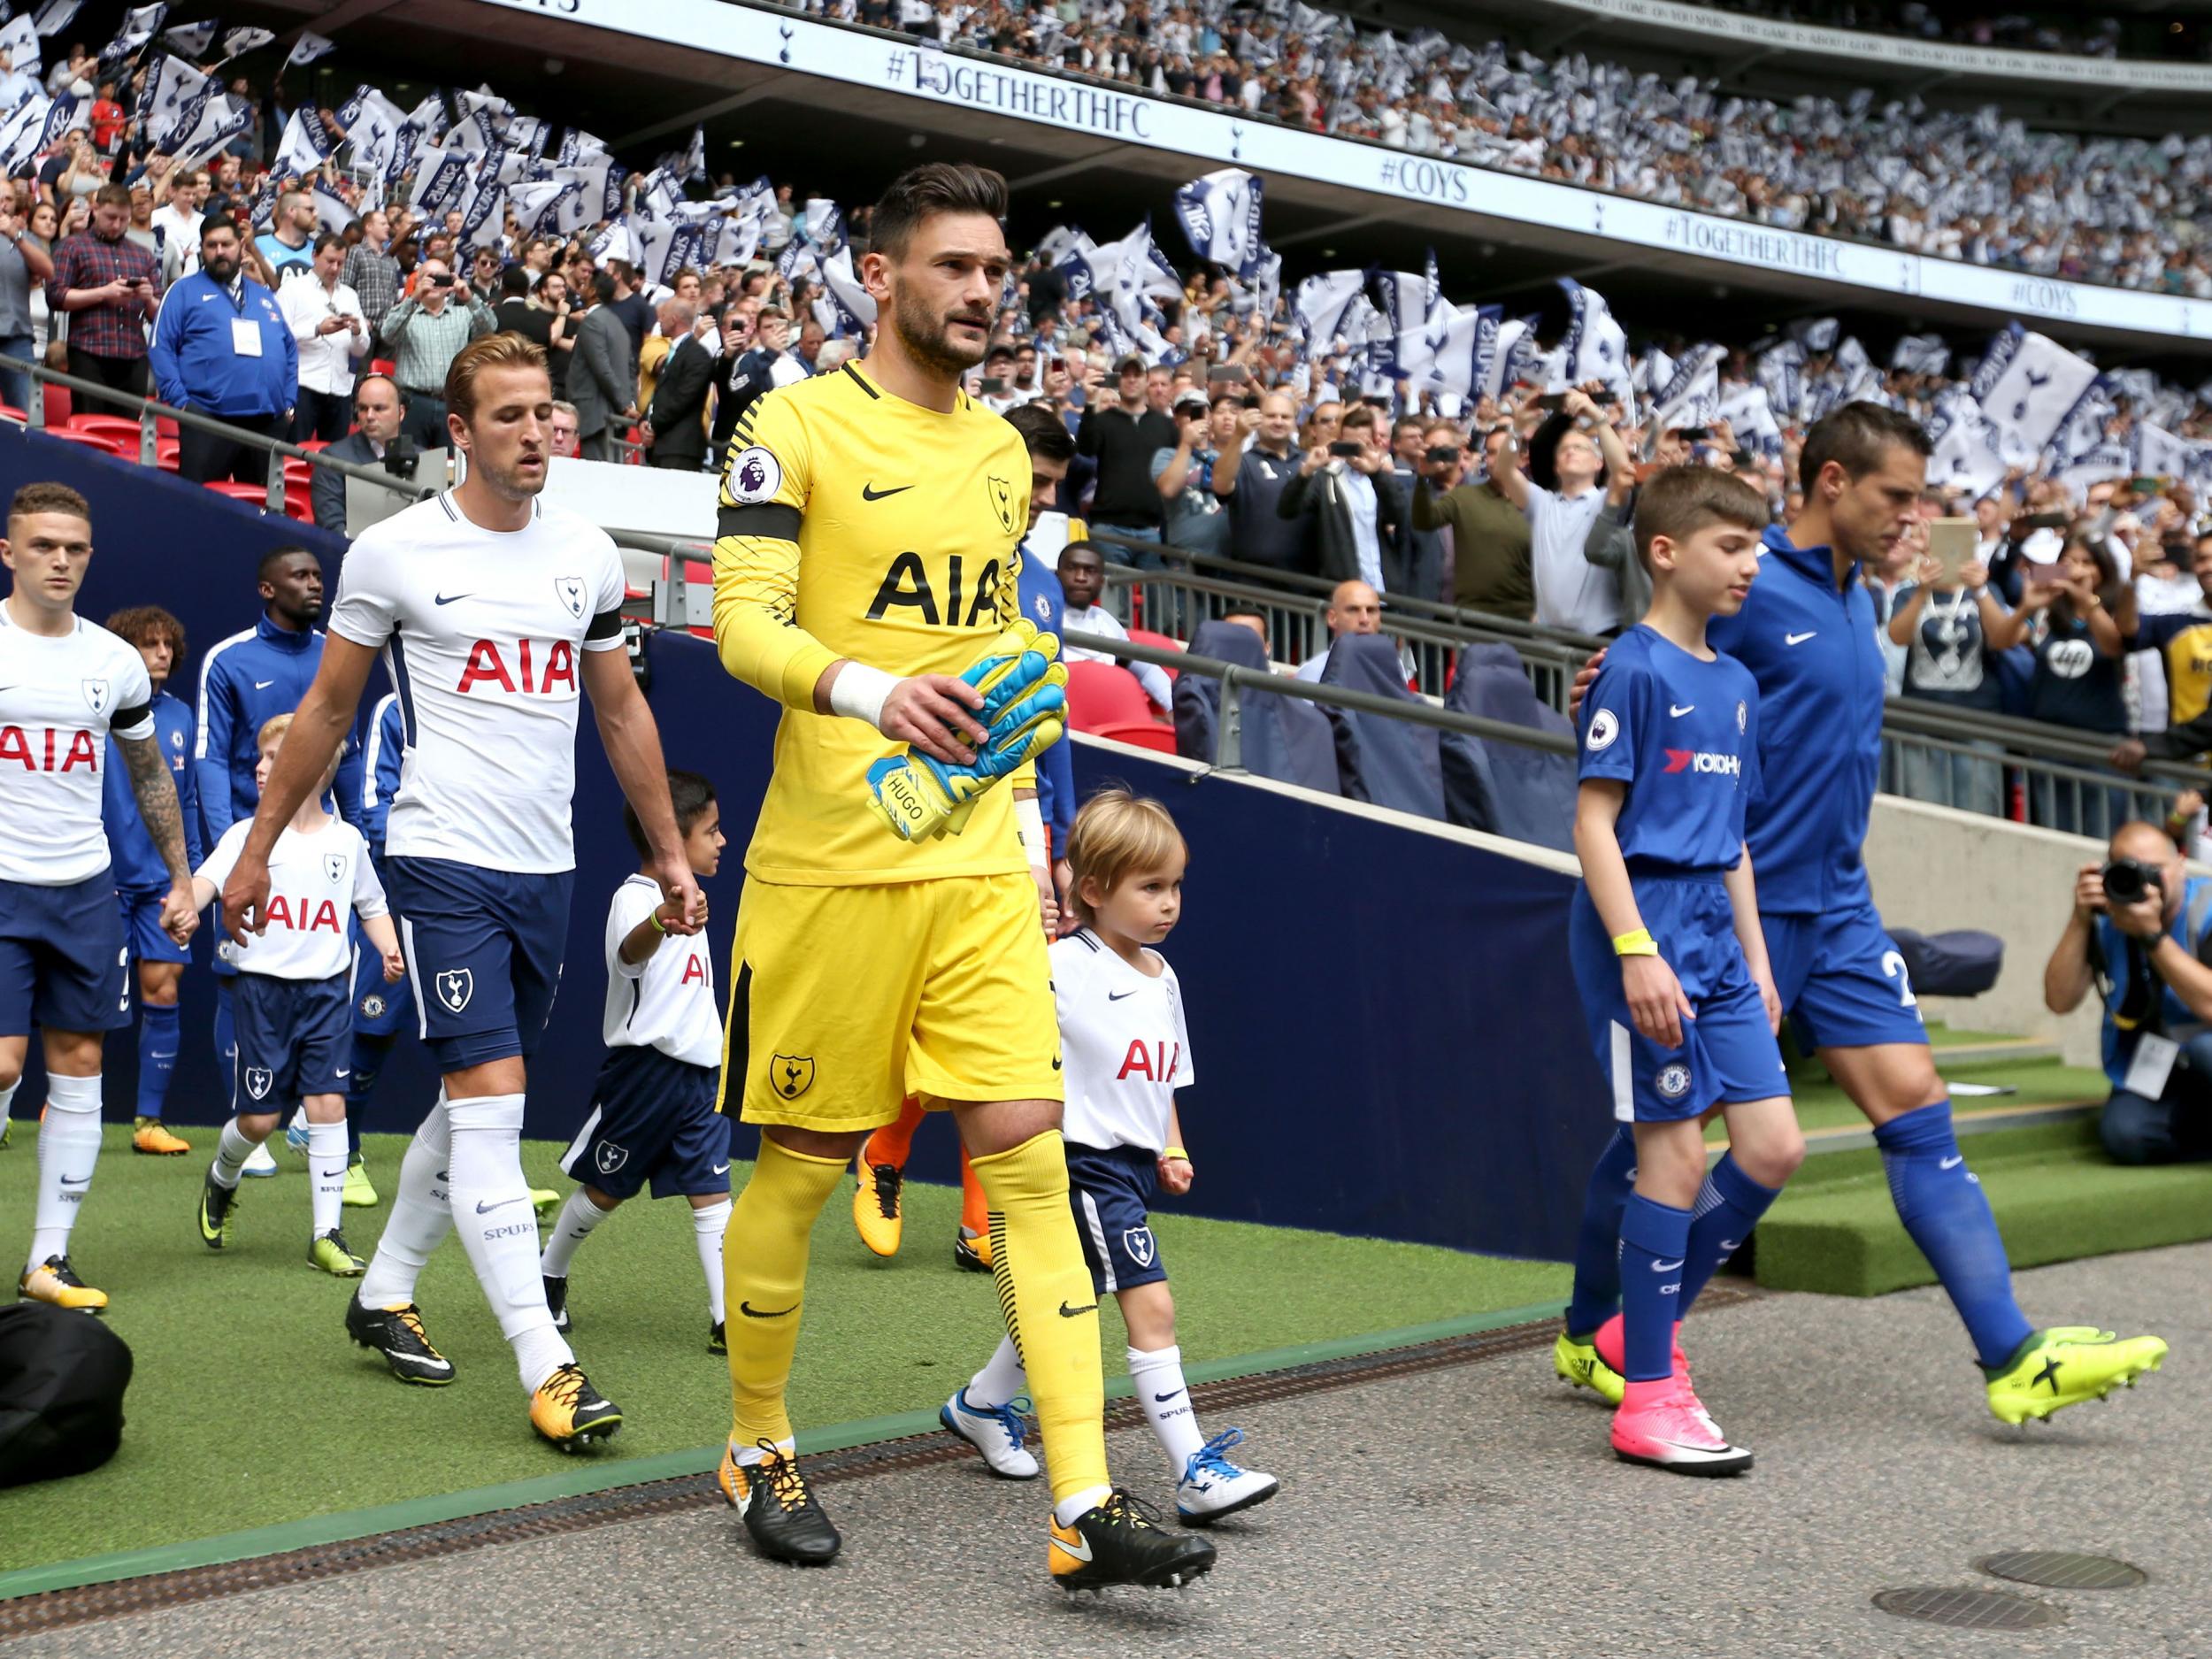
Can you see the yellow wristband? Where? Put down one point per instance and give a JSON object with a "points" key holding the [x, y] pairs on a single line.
{"points": [[1175, 1152], [1638, 943], [654, 917]]}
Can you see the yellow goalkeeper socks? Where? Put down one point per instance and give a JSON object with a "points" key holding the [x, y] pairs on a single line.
{"points": [[763, 1264], [1051, 1310]]}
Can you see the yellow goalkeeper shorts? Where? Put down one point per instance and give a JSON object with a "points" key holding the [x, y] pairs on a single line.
{"points": [[845, 1000]]}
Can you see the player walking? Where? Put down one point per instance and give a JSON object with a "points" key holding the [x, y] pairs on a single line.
{"points": [[491, 612], [865, 558], [68, 685], [1806, 634]]}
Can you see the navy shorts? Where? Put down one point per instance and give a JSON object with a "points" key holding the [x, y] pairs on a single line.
{"points": [[483, 951], [1843, 979], [1727, 1052], [1108, 1187], [652, 1119], [140, 910], [379, 1004], [62, 961], [295, 1039]]}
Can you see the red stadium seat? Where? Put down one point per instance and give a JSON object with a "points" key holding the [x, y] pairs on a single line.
{"points": [[253, 494], [313, 444], [165, 453], [57, 407], [164, 427], [88, 440], [1105, 694], [118, 426], [1158, 643], [1144, 734], [9, 411]]}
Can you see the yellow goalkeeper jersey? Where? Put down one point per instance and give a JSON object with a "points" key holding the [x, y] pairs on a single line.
{"points": [[854, 524]]}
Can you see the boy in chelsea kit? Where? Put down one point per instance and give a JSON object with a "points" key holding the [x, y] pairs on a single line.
{"points": [[652, 1109], [1126, 1049], [293, 1004], [1668, 952]]}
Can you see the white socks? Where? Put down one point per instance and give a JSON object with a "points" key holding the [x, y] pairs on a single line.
{"points": [[1002, 1380], [68, 1146], [421, 1217], [1165, 1397], [7, 1098], [326, 1168], [707, 1227], [579, 1216], [499, 1230], [231, 1153]]}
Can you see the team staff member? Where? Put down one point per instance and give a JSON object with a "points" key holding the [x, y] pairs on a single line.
{"points": [[222, 348], [141, 879], [870, 517]]}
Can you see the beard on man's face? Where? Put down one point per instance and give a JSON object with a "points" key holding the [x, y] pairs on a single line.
{"points": [[929, 340], [222, 267]]}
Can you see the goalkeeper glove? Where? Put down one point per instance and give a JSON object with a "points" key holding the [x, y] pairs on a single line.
{"points": [[1023, 712]]}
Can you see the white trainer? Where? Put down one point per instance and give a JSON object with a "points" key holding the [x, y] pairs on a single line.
{"points": [[260, 1162], [1213, 1486], [996, 1432]]}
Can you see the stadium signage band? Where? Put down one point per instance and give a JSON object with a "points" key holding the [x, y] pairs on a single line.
{"points": [[1727, 245], [1944, 57]]}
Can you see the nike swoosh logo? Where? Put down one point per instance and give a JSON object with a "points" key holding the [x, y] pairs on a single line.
{"points": [[83, 1180], [1116, 997], [1079, 1550], [332, 1175], [1727, 1245], [1952, 1164], [1666, 1267], [1166, 1397], [721, 1169], [483, 1209], [446, 599], [263, 685], [1055, 1063], [752, 1312], [343, 1072], [1799, 638], [869, 492], [1679, 712], [1066, 1312]]}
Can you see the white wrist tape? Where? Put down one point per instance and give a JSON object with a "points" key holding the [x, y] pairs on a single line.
{"points": [[1031, 822], [859, 692]]}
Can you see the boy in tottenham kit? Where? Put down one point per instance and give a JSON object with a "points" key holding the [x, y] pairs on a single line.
{"points": [[1126, 1049], [294, 1004], [1668, 952]]}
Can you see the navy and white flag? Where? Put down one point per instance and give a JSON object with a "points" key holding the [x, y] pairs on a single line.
{"points": [[139, 27], [262, 210], [1816, 334], [61, 115], [532, 204], [796, 261], [430, 120], [1750, 412], [2084, 426], [1780, 370], [1690, 396], [56, 15], [583, 207], [1453, 353], [1407, 297], [1058, 243], [2027, 386], [1220, 216], [307, 144], [20, 40], [1968, 447], [578, 148], [855, 306], [192, 39], [1267, 284], [1596, 345], [822, 222], [332, 211], [695, 159], [221, 118], [2094, 466], [484, 216], [474, 129], [20, 133], [372, 125], [172, 101], [441, 180], [238, 43], [1321, 301], [308, 48], [2160, 454], [1514, 356], [1921, 353], [527, 135], [613, 242]]}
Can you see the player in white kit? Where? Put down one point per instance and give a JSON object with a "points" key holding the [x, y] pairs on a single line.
{"points": [[66, 686], [491, 612]]}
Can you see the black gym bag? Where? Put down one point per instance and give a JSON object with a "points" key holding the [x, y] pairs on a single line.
{"points": [[62, 1377]]}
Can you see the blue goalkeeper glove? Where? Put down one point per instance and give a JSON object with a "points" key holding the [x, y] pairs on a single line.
{"points": [[1023, 712]]}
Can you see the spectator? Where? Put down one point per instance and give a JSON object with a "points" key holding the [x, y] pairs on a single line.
{"points": [[222, 348], [426, 331], [551, 298], [1422, 575], [517, 313], [759, 371], [1358, 508], [1183, 474], [1952, 636], [378, 412], [40, 232], [1490, 534], [23, 265], [1354, 608], [109, 286], [1569, 594], [812, 338], [2085, 614], [1122, 437], [287, 249], [1253, 470], [176, 222], [371, 272], [675, 423], [1611, 546], [734, 386], [1082, 573], [629, 304], [2146, 956], [2183, 640], [565, 444], [325, 317], [602, 376]]}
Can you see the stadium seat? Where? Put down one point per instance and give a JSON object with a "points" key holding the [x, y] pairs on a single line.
{"points": [[118, 426], [1158, 643], [254, 494], [1499, 786], [88, 440], [9, 411], [1104, 694], [1386, 762], [1152, 735], [57, 407], [166, 428], [1284, 738], [165, 453]]}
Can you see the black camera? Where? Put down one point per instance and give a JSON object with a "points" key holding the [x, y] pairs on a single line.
{"points": [[401, 457], [2131, 881]]}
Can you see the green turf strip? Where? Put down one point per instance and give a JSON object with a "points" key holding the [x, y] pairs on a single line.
{"points": [[249, 1407], [1822, 1105]]}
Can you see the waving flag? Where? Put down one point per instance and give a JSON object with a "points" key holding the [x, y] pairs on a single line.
{"points": [[221, 118], [20, 133], [443, 176], [238, 43], [139, 27], [856, 306], [1596, 346], [19, 39], [1691, 395], [1921, 353], [1220, 216], [332, 209], [372, 123], [2027, 386], [56, 15], [2160, 454], [308, 48], [191, 39], [1321, 301], [1968, 447], [306, 145]]}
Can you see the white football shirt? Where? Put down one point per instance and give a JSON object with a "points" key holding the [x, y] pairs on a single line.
{"points": [[667, 1001], [1125, 1048], [483, 633], [59, 699], [313, 881]]}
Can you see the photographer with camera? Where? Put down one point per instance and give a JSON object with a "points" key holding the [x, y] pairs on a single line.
{"points": [[1583, 455], [426, 331], [379, 411], [2139, 934]]}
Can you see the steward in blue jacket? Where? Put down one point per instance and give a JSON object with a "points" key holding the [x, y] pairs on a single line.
{"points": [[223, 348]]}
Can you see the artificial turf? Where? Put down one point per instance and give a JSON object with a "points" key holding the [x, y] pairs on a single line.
{"points": [[249, 1407]]}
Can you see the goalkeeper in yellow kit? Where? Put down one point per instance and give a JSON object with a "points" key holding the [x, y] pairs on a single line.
{"points": [[888, 940]]}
